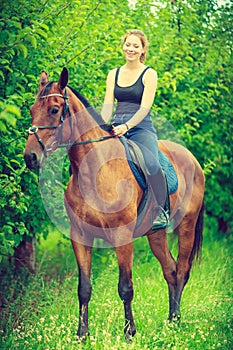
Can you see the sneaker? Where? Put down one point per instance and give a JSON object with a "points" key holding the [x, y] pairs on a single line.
{"points": [[161, 220]]}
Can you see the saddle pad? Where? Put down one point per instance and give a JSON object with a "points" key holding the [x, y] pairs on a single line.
{"points": [[138, 167], [169, 171]]}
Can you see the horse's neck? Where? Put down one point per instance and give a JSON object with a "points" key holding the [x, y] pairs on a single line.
{"points": [[85, 129], [85, 125]]}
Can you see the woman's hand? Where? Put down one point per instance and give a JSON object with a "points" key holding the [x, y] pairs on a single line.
{"points": [[120, 130]]}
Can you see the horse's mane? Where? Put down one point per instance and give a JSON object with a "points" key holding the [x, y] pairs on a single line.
{"points": [[96, 116]]}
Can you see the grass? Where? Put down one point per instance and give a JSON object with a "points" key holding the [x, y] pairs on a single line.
{"points": [[40, 311]]}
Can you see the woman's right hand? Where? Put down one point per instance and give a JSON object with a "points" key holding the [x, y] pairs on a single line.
{"points": [[120, 130]]}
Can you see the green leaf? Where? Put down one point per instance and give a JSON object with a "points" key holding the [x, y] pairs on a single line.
{"points": [[14, 110], [41, 33], [3, 126], [2, 75], [21, 48], [32, 40]]}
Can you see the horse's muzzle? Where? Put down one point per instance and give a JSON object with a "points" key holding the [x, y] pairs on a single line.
{"points": [[32, 161]]}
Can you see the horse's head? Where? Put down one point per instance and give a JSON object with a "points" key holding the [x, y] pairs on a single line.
{"points": [[48, 115]]}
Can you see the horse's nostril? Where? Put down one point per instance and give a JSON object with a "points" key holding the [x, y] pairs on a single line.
{"points": [[33, 157], [31, 160]]}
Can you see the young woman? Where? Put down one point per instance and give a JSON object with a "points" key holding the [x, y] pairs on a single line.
{"points": [[133, 86]]}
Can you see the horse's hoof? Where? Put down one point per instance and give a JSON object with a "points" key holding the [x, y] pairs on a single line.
{"points": [[82, 335], [129, 333], [174, 317]]}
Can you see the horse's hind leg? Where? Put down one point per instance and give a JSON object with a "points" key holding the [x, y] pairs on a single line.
{"points": [[189, 245], [159, 246], [125, 286], [83, 256]]}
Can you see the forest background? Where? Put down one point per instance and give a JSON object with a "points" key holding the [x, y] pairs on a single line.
{"points": [[191, 49]]}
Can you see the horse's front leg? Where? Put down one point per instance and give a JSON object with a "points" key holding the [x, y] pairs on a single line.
{"points": [[125, 286], [83, 256]]}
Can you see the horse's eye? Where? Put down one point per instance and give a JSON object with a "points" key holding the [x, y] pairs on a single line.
{"points": [[54, 110]]}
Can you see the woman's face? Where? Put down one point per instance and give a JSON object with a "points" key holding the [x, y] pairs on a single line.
{"points": [[133, 48]]}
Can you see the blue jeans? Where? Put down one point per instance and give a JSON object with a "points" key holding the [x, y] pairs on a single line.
{"points": [[147, 141]]}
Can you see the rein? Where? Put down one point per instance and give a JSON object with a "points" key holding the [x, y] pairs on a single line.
{"points": [[103, 138], [66, 109]]}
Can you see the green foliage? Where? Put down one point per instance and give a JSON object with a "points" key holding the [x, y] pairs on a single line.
{"points": [[8, 115], [18, 207], [190, 47]]}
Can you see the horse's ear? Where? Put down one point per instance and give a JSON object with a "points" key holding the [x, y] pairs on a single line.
{"points": [[43, 79], [63, 80]]}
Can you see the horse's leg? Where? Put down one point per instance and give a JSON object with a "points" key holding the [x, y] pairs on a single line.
{"points": [[83, 256], [159, 246], [186, 238], [125, 286]]}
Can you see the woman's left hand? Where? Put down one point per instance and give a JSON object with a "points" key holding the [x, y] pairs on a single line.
{"points": [[119, 130]]}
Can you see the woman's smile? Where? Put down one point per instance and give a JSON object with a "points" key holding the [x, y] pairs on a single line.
{"points": [[130, 53]]}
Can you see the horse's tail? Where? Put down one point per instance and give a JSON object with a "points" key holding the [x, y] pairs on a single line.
{"points": [[197, 246]]}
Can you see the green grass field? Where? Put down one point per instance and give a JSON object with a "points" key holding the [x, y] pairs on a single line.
{"points": [[40, 311]]}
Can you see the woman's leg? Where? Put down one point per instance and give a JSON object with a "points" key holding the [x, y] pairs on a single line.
{"points": [[147, 141]]}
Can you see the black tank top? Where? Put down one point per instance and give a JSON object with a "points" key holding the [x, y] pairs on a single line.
{"points": [[129, 98]]}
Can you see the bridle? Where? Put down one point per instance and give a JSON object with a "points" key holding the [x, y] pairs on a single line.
{"points": [[66, 109], [33, 130]]}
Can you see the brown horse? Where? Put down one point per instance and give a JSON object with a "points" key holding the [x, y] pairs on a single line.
{"points": [[103, 196]]}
